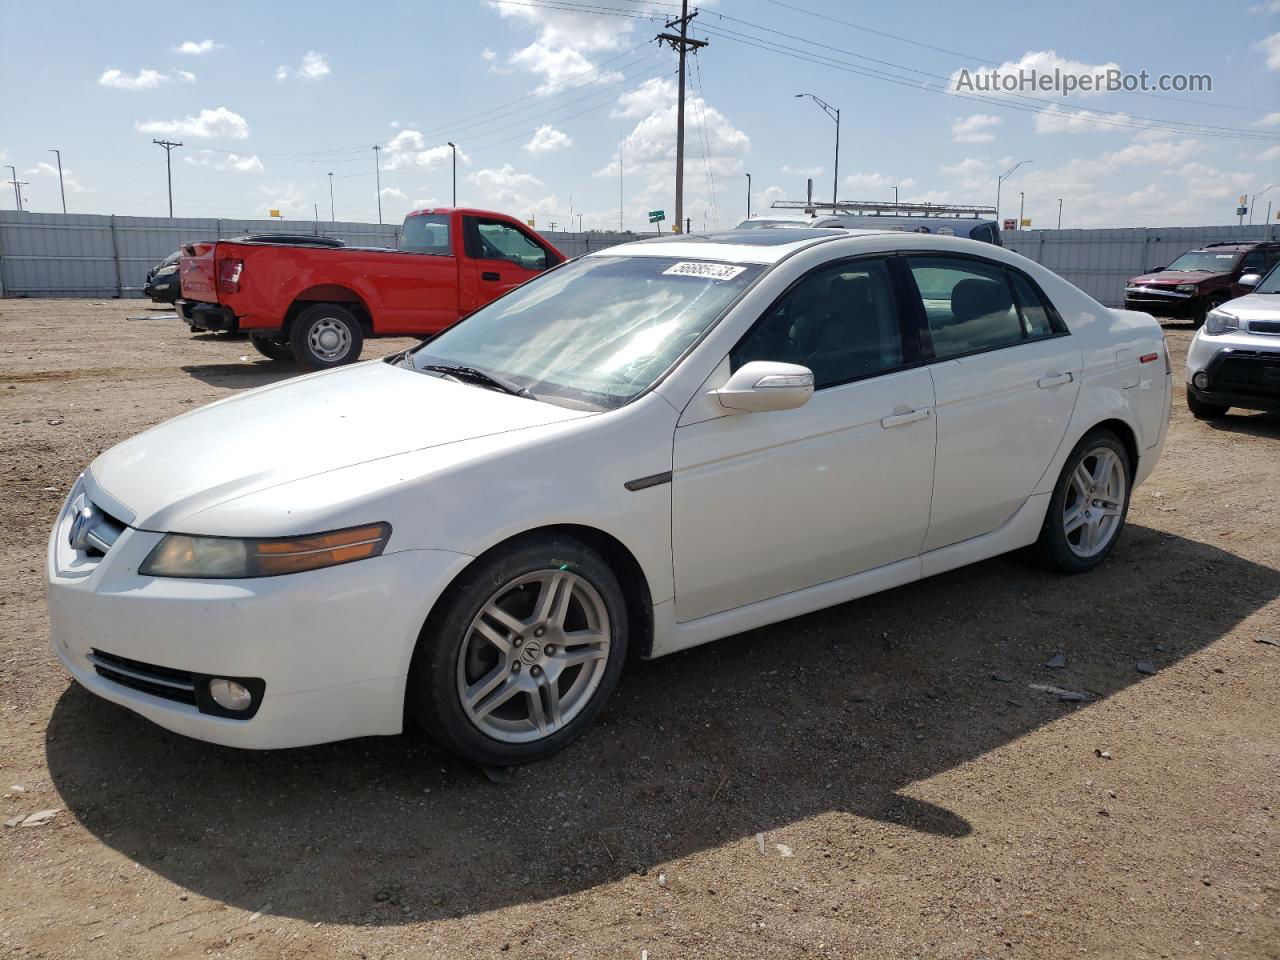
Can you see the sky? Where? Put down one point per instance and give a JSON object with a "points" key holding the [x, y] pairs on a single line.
{"points": [[542, 97]]}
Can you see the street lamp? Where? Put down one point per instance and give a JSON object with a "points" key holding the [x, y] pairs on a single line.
{"points": [[1002, 178], [331, 216], [1059, 213], [1253, 202], [63, 190], [834, 114], [748, 196], [455, 172], [1022, 205]]}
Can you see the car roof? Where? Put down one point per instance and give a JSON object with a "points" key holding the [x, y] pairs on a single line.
{"points": [[736, 246], [1230, 245]]}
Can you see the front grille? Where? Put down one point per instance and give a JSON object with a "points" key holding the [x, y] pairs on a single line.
{"points": [[1264, 326], [1249, 372], [176, 685]]}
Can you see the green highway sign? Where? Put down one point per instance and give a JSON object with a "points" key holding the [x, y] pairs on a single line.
{"points": [[657, 215]]}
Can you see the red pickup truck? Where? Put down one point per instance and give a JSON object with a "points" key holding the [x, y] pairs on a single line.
{"points": [[316, 305]]}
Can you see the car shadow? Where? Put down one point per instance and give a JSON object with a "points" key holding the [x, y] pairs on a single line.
{"points": [[842, 710], [1249, 423], [254, 372]]}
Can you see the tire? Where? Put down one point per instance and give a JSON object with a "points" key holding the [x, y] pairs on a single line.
{"points": [[1205, 411], [456, 653], [1211, 304], [325, 335], [1078, 534], [273, 348]]}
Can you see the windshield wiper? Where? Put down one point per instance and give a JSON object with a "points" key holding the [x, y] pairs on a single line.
{"points": [[482, 377]]}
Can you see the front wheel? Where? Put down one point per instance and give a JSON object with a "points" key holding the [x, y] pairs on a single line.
{"points": [[521, 653], [1205, 411], [1089, 504], [325, 335]]}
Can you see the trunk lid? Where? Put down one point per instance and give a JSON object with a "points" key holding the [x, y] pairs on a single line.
{"points": [[198, 272]]}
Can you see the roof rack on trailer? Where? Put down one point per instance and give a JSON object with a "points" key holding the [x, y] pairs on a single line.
{"points": [[875, 209]]}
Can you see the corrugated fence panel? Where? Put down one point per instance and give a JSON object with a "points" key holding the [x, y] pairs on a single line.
{"points": [[87, 255], [1100, 261]]}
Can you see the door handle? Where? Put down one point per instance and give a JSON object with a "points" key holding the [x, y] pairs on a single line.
{"points": [[490, 275], [902, 419], [1055, 380]]}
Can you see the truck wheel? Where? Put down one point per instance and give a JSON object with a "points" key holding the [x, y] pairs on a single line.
{"points": [[325, 335], [273, 348]]}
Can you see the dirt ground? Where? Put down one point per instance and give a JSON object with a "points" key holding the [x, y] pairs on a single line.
{"points": [[876, 780]]}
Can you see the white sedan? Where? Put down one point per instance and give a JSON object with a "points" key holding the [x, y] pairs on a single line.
{"points": [[645, 449]]}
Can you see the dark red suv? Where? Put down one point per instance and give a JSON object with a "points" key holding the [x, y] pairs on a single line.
{"points": [[1200, 279]]}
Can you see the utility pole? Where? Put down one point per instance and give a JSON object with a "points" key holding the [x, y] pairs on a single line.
{"points": [[168, 165], [332, 218], [1022, 205], [834, 114], [621, 202], [748, 196], [1059, 213], [1002, 178], [13, 179], [454, 147], [682, 44], [61, 188], [377, 172], [895, 196]]}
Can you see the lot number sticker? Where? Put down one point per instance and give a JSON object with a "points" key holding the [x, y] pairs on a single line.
{"points": [[709, 271]]}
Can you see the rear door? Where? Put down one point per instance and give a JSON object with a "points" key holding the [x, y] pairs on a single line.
{"points": [[1006, 374], [501, 255]]}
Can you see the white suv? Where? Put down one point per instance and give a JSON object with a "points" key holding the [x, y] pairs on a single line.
{"points": [[1234, 359]]}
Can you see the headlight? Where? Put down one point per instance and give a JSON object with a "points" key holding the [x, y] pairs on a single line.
{"points": [[165, 271], [1186, 288], [1131, 288], [1218, 322], [220, 558]]}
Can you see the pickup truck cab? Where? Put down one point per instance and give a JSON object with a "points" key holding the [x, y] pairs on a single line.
{"points": [[317, 304]]}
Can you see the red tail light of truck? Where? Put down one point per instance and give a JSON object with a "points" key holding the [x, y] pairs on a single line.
{"points": [[229, 272]]}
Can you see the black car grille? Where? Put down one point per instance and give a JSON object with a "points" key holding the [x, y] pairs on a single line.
{"points": [[1264, 326], [176, 685], [1249, 372]]}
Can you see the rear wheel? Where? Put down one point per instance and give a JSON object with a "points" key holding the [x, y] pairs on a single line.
{"points": [[273, 348], [1089, 504], [325, 335], [1205, 411], [521, 653]]}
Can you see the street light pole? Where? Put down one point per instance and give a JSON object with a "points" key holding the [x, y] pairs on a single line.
{"points": [[61, 189], [332, 218], [454, 146], [1254, 200], [895, 196], [1059, 213], [17, 196], [1022, 204], [1002, 178], [834, 114], [748, 196]]}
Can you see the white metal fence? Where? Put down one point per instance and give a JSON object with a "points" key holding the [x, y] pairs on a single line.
{"points": [[1099, 261], [89, 255]]}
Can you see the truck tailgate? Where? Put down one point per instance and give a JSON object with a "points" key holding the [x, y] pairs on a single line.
{"points": [[198, 273]]}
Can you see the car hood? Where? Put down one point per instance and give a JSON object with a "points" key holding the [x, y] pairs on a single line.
{"points": [[1173, 277], [1255, 306], [300, 428]]}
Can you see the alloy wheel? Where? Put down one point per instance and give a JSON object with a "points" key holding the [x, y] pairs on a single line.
{"points": [[1094, 503]]}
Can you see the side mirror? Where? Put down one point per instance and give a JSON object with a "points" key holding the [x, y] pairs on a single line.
{"points": [[1250, 280], [763, 385], [1155, 269]]}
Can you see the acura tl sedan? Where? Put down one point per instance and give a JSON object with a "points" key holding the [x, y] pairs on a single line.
{"points": [[648, 448]]}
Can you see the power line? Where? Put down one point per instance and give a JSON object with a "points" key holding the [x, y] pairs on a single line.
{"points": [[701, 105]]}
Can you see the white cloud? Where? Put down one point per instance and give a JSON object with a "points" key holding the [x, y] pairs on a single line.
{"points": [[1272, 153], [566, 41], [219, 122], [287, 199], [547, 139], [865, 184], [1270, 120], [392, 193], [1042, 62], [144, 79], [1054, 119], [231, 163], [973, 128], [43, 169], [408, 149], [425, 202], [1271, 47], [968, 167], [394, 124], [314, 66], [1269, 6], [196, 47], [802, 171]]}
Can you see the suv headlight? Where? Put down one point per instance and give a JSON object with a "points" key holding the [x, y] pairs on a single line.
{"points": [[165, 271], [222, 558], [1186, 288], [1218, 322]]}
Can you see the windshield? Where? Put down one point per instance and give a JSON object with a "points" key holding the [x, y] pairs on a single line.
{"points": [[1204, 262], [1271, 282], [596, 332], [426, 233]]}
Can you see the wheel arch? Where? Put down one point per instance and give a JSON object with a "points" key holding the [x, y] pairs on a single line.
{"points": [[329, 293], [1127, 437]]}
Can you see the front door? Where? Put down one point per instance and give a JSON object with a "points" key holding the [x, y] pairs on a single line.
{"points": [[502, 257], [767, 503]]}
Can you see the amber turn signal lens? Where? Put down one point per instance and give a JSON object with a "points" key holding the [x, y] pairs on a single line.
{"points": [[216, 558], [321, 550]]}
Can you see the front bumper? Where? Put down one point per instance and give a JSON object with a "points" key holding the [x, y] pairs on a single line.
{"points": [[1242, 369], [331, 647], [1176, 306]]}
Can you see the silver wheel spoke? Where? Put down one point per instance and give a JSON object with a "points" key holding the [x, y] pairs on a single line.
{"points": [[495, 700], [1082, 479], [496, 613], [493, 636], [551, 691], [537, 716], [582, 652], [1073, 519], [1102, 469], [553, 601], [490, 682]]}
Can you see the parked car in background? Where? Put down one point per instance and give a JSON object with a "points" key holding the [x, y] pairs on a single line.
{"points": [[654, 446], [1234, 359], [315, 301], [969, 222], [163, 283], [1200, 280]]}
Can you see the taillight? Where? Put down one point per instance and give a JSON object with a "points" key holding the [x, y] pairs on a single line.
{"points": [[229, 272]]}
